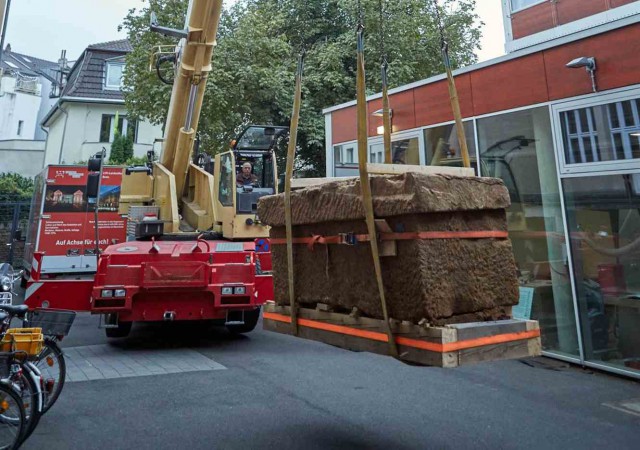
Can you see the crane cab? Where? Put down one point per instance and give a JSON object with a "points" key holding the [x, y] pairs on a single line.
{"points": [[242, 176]]}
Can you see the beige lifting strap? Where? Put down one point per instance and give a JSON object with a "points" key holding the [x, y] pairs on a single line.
{"points": [[386, 116], [386, 110], [453, 91], [367, 201], [291, 154]]}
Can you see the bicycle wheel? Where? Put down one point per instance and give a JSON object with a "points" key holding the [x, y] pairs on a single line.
{"points": [[29, 393], [53, 369], [12, 418]]}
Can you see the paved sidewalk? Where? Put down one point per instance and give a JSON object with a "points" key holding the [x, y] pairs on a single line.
{"points": [[97, 362]]}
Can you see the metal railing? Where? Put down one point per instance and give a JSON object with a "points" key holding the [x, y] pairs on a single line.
{"points": [[13, 217], [28, 85]]}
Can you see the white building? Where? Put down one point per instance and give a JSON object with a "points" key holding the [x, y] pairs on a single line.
{"points": [[25, 84], [83, 120]]}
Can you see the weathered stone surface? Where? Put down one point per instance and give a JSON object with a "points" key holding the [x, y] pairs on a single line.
{"points": [[443, 280], [410, 193]]}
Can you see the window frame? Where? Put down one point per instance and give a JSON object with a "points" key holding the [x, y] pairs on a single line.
{"points": [[112, 129], [522, 8], [399, 136], [566, 168], [108, 66]]}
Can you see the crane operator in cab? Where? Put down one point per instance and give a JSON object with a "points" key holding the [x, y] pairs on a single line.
{"points": [[245, 177]]}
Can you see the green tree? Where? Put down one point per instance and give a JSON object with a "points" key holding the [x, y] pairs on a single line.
{"points": [[117, 149], [15, 187], [258, 44], [127, 148]]}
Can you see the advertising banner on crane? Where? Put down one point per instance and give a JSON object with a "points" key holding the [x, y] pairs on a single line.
{"points": [[66, 220]]}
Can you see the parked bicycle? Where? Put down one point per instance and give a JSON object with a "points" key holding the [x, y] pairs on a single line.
{"points": [[54, 325], [22, 376], [13, 419]]}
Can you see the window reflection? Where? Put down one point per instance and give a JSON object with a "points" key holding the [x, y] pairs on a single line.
{"points": [[403, 151], [603, 214], [442, 147], [602, 133], [518, 148]]}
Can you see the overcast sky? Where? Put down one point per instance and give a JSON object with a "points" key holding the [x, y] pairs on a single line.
{"points": [[42, 28]]}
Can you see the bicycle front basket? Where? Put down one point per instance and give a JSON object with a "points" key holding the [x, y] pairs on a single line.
{"points": [[54, 322]]}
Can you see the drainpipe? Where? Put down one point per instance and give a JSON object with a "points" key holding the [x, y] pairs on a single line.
{"points": [[4, 27], [64, 132], [4, 20]]}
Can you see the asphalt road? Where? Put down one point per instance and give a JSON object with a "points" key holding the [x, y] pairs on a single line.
{"points": [[280, 392]]}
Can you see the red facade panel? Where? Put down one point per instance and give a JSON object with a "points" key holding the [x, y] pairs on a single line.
{"points": [[433, 104], [515, 83], [572, 10], [404, 116], [343, 125], [521, 82], [532, 20], [374, 121], [616, 3], [616, 63]]}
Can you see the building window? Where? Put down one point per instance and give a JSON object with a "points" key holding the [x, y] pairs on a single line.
{"points": [[522, 4], [20, 126], [124, 126], [518, 148], [403, 151], [442, 147], [345, 160], [113, 78], [602, 133]]}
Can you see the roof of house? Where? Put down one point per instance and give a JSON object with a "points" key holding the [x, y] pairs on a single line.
{"points": [[27, 65], [86, 80], [122, 45], [87, 76]]}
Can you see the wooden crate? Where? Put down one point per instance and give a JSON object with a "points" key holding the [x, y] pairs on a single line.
{"points": [[448, 346]]}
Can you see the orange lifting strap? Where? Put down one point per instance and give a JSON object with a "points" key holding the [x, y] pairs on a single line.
{"points": [[408, 342], [351, 238]]}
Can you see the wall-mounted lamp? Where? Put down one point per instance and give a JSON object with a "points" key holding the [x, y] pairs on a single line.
{"points": [[380, 112], [380, 129], [589, 63]]}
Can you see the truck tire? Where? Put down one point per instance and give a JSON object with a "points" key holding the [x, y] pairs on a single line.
{"points": [[250, 322], [122, 330]]}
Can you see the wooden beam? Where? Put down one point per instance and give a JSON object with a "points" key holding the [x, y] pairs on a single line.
{"points": [[393, 169]]}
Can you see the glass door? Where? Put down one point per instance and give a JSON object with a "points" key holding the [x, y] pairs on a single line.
{"points": [[599, 158]]}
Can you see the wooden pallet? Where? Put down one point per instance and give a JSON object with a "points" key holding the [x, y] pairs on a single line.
{"points": [[448, 346]]}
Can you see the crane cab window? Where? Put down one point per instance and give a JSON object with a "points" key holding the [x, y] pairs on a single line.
{"points": [[255, 178], [225, 187]]}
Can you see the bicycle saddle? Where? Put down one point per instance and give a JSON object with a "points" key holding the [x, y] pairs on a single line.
{"points": [[15, 310]]}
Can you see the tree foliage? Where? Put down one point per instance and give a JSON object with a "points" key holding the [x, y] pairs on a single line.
{"points": [[252, 79], [15, 187], [121, 149]]}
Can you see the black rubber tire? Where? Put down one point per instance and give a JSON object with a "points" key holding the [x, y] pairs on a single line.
{"points": [[29, 394], [10, 397], [122, 330], [250, 322], [52, 349]]}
